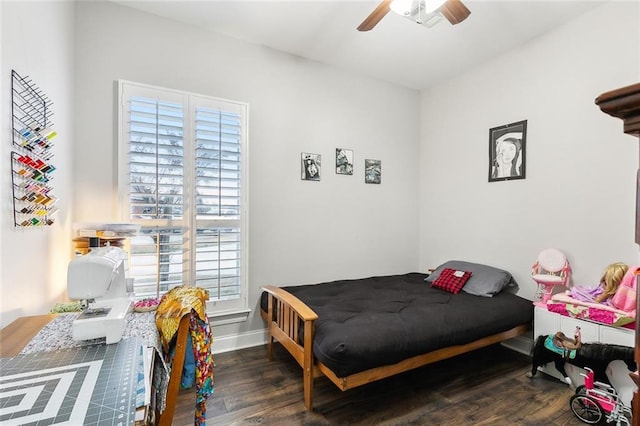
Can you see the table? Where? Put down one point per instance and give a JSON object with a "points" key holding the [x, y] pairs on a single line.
{"points": [[17, 336], [77, 382]]}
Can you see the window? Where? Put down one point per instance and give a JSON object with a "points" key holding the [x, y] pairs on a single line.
{"points": [[182, 178]]}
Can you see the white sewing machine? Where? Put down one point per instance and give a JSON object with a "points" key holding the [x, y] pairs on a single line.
{"points": [[98, 278]]}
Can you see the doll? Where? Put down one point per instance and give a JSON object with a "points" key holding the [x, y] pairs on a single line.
{"points": [[602, 293]]}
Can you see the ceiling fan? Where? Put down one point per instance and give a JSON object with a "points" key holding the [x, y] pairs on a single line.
{"points": [[422, 11]]}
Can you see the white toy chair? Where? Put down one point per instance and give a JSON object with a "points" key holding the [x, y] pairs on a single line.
{"points": [[551, 269]]}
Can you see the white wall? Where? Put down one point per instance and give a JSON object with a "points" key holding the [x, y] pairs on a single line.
{"points": [[578, 194], [3, 170], [299, 231], [37, 40], [579, 191]]}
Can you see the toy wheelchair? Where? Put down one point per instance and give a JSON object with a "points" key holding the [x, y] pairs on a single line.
{"points": [[594, 402]]}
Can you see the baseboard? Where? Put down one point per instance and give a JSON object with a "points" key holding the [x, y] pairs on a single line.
{"points": [[522, 344], [239, 341]]}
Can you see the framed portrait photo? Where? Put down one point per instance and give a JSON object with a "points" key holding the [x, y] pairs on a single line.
{"points": [[344, 161], [310, 166], [507, 151], [372, 171]]}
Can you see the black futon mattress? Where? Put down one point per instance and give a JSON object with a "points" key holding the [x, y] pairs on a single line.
{"points": [[378, 321]]}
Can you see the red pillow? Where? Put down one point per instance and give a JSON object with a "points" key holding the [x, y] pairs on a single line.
{"points": [[451, 280]]}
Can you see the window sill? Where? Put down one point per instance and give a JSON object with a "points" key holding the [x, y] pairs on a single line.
{"points": [[228, 317]]}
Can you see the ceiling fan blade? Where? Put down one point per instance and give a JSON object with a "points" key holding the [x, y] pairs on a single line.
{"points": [[454, 11], [375, 16]]}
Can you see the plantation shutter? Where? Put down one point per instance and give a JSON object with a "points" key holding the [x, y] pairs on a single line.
{"points": [[156, 194], [156, 258], [182, 179], [218, 134], [156, 165]]}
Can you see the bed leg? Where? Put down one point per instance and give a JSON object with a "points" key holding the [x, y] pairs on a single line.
{"points": [[307, 368], [269, 325], [269, 346], [308, 389]]}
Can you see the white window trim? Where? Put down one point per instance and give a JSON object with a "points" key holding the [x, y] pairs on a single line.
{"points": [[220, 311]]}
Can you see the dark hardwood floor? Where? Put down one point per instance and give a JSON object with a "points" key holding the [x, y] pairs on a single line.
{"points": [[485, 387]]}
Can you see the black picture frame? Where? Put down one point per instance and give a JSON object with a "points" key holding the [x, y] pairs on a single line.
{"points": [[507, 151], [344, 161], [372, 171], [310, 166]]}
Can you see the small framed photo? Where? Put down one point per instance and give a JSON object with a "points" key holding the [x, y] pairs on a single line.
{"points": [[310, 166], [344, 161], [372, 171], [507, 151]]}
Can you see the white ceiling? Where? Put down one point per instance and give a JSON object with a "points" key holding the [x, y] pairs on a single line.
{"points": [[397, 50]]}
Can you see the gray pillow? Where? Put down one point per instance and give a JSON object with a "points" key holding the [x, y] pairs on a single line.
{"points": [[485, 280]]}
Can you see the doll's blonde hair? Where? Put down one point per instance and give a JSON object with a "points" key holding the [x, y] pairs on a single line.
{"points": [[611, 279]]}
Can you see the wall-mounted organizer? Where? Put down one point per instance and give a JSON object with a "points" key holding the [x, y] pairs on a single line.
{"points": [[31, 168]]}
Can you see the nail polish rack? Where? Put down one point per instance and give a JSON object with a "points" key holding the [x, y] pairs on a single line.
{"points": [[31, 168]]}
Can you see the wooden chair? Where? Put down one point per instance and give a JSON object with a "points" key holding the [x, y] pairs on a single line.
{"points": [[166, 417]]}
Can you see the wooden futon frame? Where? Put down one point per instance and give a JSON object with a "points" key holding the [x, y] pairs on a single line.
{"points": [[291, 312]]}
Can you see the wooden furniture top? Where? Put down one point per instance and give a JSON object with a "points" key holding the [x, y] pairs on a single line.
{"points": [[623, 103], [305, 312], [15, 336]]}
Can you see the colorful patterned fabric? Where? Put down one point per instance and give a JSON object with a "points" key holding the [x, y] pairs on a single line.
{"points": [[451, 280], [201, 339], [625, 296], [563, 304], [175, 304]]}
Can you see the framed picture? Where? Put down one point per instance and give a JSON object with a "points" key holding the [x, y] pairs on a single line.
{"points": [[507, 151], [310, 166], [344, 161], [372, 171]]}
